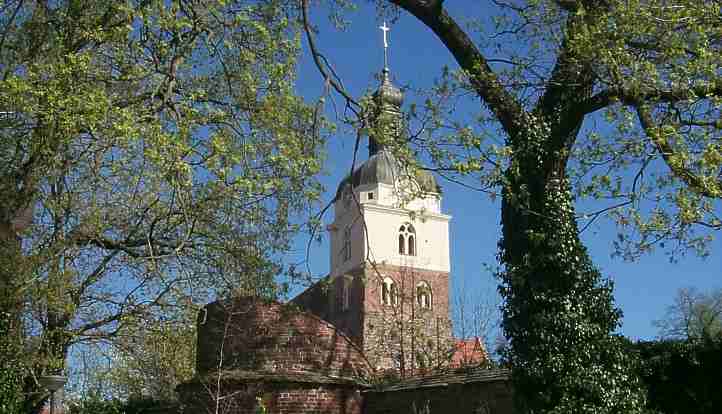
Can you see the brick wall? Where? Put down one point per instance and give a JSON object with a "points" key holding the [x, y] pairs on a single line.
{"points": [[277, 398], [290, 361], [404, 330], [250, 334], [407, 279], [388, 334], [489, 396], [324, 299], [274, 354], [321, 399]]}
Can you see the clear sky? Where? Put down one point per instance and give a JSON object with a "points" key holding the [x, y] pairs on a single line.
{"points": [[643, 289]]}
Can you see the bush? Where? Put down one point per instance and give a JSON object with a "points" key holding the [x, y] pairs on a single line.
{"points": [[114, 406], [682, 376]]}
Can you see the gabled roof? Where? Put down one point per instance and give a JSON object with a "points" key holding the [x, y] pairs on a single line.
{"points": [[468, 352]]}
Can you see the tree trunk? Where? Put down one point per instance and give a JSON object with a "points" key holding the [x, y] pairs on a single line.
{"points": [[558, 312], [11, 346]]}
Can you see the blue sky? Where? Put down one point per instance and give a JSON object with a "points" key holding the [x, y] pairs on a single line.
{"points": [[643, 289]]}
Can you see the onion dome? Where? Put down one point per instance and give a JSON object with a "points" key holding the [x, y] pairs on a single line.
{"points": [[388, 99], [388, 96], [384, 168]]}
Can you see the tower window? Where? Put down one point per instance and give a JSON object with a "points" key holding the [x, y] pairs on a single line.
{"points": [[424, 297], [407, 240], [346, 298], [389, 292], [347, 196], [346, 250], [371, 196]]}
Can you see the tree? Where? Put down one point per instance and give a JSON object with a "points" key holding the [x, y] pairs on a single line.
{"points": [[11, 375], [151, 365], [548, 67], [155, 156], [681, 376], [144, 362], [476, 316], [693, 316]]}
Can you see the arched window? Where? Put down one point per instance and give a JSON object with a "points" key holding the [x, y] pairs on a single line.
{"points": [[389, 292], [424, 297], [394, 294], [407, 240], [346, 298], [346, 250]]}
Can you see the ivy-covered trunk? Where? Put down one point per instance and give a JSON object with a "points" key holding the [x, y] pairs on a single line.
{"points": [[559, 311], [11, 349]]}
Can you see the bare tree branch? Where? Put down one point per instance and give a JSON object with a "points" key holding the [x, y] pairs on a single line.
{"points": [[503, 104]]}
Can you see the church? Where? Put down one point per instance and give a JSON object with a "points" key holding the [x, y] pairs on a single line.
{"points": [[388, 286], [375, 335]]}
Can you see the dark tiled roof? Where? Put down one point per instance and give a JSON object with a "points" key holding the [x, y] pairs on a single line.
{"points": [[445, 379], [383, 167]]}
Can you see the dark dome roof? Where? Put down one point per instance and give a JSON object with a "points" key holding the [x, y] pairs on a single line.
{"points": [[388, 93], [383, 167]]}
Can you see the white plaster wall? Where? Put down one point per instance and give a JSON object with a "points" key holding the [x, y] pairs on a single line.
{"points": [[349, 215], [389, 196], [383, 217], [432, 237]]}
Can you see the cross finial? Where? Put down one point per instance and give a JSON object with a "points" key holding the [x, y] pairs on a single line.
{"points": [[385, 29]]}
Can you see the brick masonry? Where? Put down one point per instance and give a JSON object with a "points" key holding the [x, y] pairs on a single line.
{"points": [[387, 333], [254, 353], [250, 334], [471, 394], [277, 398]]}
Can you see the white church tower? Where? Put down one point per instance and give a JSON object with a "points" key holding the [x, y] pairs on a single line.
{"points": [[385, 214], [389, 250]]}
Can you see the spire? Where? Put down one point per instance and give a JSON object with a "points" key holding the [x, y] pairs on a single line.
{"points": [[388, 97]]}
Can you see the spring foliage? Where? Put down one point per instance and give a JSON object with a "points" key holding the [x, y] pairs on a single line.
{"points": [[613, 106], [153, 153]]}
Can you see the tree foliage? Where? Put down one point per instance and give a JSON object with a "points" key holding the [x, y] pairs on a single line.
{"points": [[153, 154], [648, 69], [614, 104], [693, 316], [681, 376], [146, 361], [11, 374], [95, 405], [155, 361]]}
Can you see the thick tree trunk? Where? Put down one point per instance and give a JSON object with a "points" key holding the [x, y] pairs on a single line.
{"points": [[558, 313]]}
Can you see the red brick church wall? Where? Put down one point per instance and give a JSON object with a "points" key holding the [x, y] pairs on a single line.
{"points": [[275, 355]]}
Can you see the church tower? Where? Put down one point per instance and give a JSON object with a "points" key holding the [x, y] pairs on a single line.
{"points": [[388, 286], [389, 252]]}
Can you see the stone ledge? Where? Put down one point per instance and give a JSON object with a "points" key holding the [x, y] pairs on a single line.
{"points": [[444, 379], [238, 375]]}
